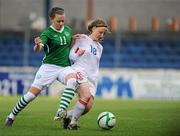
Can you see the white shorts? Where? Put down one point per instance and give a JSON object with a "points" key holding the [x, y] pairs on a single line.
{"points": [[48, 73], [91, 83]]}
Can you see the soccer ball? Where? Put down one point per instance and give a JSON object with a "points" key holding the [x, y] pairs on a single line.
{"points": [[106, 120]]}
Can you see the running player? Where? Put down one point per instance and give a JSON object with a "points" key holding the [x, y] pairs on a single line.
{"points": [[55, 41]]}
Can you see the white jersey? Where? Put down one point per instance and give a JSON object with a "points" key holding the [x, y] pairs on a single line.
{"points": [[88, 63]]}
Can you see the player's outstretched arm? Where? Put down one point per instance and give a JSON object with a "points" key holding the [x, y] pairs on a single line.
{"points": [[75, 37], [38, 45]]}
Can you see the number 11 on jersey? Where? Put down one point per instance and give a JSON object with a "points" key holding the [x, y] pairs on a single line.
{"points": [[63, 40]]}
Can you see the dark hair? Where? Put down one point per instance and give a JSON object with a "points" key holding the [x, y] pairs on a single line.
{"points": [[56, 10], [97, 23]]}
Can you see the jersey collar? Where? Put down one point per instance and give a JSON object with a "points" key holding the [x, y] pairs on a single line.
{"points": [[60, 31]]}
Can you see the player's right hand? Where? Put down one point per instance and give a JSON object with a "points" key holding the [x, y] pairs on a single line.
{"points": [[38, 44], [37, 40]]}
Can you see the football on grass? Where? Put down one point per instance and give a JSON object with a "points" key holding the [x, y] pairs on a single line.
{"points": [[106, 120]]}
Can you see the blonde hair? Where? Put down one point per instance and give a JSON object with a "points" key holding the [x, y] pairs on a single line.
{"points": [[97, 23]]}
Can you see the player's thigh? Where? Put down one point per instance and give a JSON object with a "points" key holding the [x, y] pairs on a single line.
{"points": [[83, 91], [45, 76], [66, 73]]}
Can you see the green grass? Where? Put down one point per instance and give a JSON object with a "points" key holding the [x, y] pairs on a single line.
{"points": [[134, 118]]}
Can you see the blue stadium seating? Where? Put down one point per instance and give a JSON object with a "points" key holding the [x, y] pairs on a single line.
{"points": [[150, 53], [12, 52], [131, 53]]}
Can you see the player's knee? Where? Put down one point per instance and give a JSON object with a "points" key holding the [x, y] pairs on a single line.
{"points": [[72, 83], [35, 91]]}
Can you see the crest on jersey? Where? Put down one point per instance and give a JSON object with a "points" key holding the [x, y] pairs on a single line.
{"points": [[67, 33]]}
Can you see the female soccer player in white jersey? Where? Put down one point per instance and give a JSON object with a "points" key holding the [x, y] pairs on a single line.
{"points": [[85, 57]]}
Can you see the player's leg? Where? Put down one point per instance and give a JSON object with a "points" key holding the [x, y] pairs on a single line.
{"points": [[68, 77], [89, 105], [73, 80], [21, 104], [79, 108], [66, 96], [67, 120], [87, 108], [44, 77]]}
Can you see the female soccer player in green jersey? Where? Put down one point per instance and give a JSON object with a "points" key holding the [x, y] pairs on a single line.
{"points": [[55, 41]]}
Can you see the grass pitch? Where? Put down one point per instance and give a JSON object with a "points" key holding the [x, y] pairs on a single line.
{"points": [[134, 118]]}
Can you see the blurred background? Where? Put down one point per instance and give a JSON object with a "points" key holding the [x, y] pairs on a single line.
{"points": [[141, 57]]}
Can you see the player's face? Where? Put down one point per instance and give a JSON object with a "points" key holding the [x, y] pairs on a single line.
{"points": [[99, 33], [58, 21]]}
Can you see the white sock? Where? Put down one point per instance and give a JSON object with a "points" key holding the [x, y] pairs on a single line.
{"points": [[78, 110], [12, 116], [29, 96]]}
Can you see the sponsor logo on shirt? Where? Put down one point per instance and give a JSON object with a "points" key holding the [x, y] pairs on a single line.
{"points": [[55, 36]]}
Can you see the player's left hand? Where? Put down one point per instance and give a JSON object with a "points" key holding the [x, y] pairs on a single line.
{"points": [[78, 36], [79, 51], [75, 37]]}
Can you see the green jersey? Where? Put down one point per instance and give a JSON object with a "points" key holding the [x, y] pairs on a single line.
{"points": [[56, 46]]}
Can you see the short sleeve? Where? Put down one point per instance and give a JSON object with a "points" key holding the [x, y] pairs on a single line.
{"points": [[44, 38]]}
